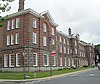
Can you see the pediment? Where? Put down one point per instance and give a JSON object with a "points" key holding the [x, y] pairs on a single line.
{"points": [[47, 15]]}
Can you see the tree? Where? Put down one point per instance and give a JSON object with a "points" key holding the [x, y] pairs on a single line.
{"points": [[4, 6], [97, 51]]}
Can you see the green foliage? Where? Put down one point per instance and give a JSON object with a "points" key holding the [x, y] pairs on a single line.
{"points": [[2, 19], [97, 49], [85, 66], [5, 6]]}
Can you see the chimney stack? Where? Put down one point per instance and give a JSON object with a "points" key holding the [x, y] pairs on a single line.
{"points": [[69, 31], [21, 5]]}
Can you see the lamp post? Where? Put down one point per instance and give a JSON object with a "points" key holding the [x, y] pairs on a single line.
{"points": [[49, 38], [24, 64]]}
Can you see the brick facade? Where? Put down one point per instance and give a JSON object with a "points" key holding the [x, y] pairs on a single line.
{"points": [[67, 47]]}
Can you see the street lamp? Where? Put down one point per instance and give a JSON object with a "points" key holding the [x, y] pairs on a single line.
{"points": [[24, 64]]}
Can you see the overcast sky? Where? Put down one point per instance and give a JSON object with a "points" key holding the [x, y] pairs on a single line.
{"points": [[82, 16]]}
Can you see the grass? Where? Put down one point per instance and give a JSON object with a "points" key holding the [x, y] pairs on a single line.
{"points": [[20, 75]]}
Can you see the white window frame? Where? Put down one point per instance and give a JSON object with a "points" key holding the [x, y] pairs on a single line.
{"points": [[65, 61], [75, 50], [34, 23], [5, 60], [54, 61], [68, 61], [34, 38], [60, 61], [46, 64], [44, 27], [17, 38], [53, 42], [8, 25], [64, 49], [8, 39], [10, 61], [44, 41], [68, 50], [60, 39], [13, 24], [17, 22], [52, 31], [75, 43], [12, 39], [67, 42], [17, 59], [64, 41], [36, 62], [60, 48]]}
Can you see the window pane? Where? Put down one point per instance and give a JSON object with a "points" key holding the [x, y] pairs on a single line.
{"points": [[17, 38], [34, 22], [34, 38], [18, 59], [53, 42], [11, 60], [64, 41], [65, 62], [60, 48], [8, 40], [44, 27], [60, 61], [8, 25], [35, 59], [5, 60], [45, 59], [54, 60], [52, 31], [13, 24], [17, 22], [12, 39], [44, 41], [60, 39], [64, 49]]}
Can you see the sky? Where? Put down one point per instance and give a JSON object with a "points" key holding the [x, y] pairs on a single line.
{"points": [[82, 16]]}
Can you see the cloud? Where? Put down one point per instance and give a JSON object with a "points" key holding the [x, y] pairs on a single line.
{"points": [[82, 16]]}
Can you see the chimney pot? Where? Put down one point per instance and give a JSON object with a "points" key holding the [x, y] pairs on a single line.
{"points": [[69, 31], [21, 5]]}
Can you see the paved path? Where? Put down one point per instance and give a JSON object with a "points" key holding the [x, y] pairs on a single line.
{"points": [[90, 77]]}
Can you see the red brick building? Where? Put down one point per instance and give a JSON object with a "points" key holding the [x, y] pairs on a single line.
{"points": [[28, 38]]}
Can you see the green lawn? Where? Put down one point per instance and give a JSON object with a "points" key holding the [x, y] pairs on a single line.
{"points": [[20, 76]]}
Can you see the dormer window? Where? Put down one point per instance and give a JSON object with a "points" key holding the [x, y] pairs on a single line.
{"points": [[44, 27]]}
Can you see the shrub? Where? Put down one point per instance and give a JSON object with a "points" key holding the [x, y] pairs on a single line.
{"points": [[60, 69], [85, 66]]}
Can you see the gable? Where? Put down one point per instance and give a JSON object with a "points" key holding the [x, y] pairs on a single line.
{"points": [[48, 16]]}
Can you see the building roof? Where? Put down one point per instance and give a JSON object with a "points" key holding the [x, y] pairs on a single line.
{"points": [[60, 32], [84, 43], [35, 14]]}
